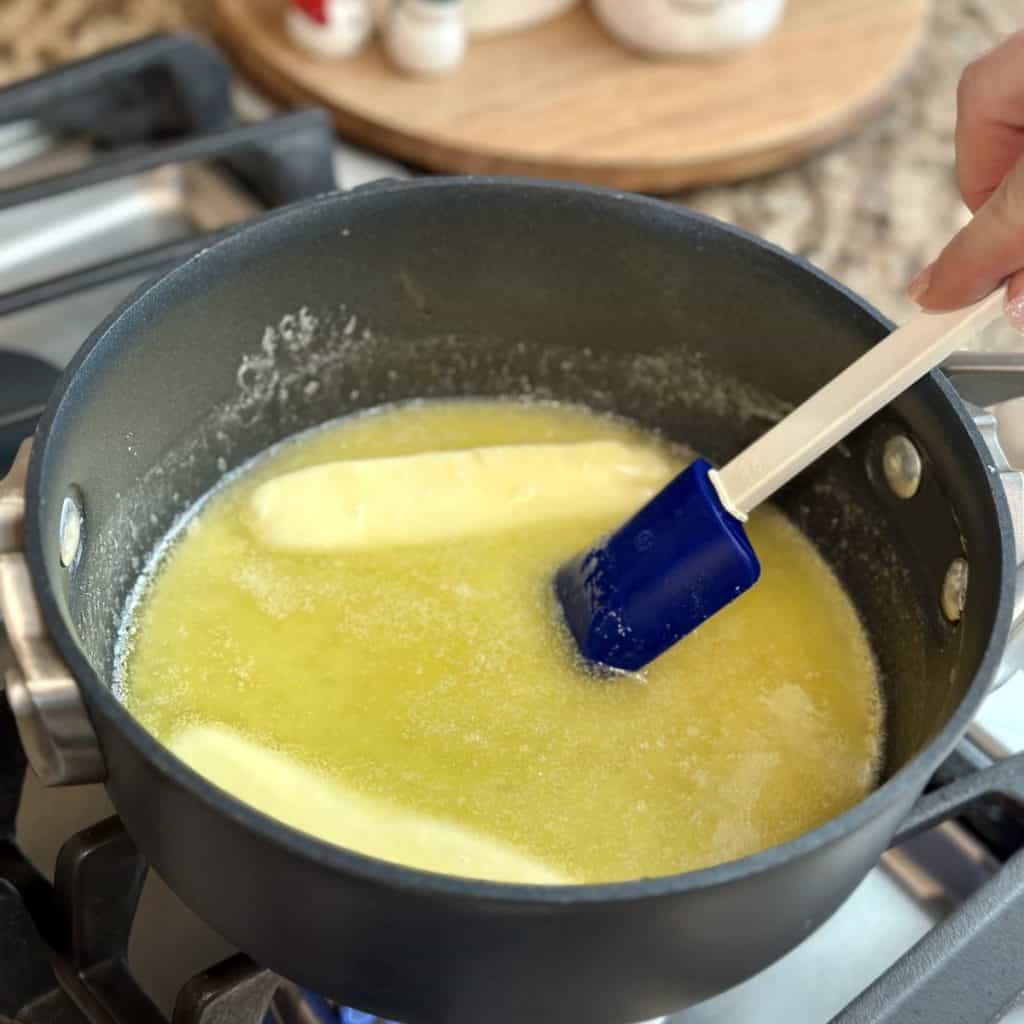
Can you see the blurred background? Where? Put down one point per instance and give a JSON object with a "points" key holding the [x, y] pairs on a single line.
{"points": [[871, 209]]}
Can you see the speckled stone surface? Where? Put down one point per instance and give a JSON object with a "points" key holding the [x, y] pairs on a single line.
{"points": [[37, 34], [874, 209]]}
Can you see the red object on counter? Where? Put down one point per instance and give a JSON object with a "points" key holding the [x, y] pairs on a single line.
{"points": [[313, 9]]}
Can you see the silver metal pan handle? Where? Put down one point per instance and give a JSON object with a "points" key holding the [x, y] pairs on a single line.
{"points": [[986, 380], [52, 722]]}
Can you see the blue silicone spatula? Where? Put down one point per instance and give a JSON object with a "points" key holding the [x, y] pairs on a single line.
{"points": [[685, 555]]}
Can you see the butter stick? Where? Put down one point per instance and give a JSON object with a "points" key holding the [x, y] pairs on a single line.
{"points": [[440, 496], [283, 788]]}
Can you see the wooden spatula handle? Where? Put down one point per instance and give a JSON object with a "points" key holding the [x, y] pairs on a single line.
{"points": [[835, 411]]}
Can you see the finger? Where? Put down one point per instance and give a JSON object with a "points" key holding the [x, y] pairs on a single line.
{"points": [[990, 120], [987, 251], [1015, 301]]}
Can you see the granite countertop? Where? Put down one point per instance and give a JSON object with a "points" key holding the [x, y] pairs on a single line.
{"points": [[876, 208], [870, 210]]}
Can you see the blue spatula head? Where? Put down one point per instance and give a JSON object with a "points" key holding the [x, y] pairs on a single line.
{"points": [[679, 560]]}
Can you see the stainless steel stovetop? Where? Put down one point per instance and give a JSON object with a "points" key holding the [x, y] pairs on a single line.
{"points": [[152, 209]]}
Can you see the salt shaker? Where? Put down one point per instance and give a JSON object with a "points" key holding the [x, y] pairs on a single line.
{"points": [[329, 28], [666, 28], [426, 37]]}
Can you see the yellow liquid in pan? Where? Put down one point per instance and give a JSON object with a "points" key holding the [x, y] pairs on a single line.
{"points": [[423, 705]]}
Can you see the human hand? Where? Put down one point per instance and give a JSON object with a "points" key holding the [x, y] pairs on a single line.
{"points": [[990, 175]]}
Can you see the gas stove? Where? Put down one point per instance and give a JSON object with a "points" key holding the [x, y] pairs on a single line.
{"points": [[115, 169]]}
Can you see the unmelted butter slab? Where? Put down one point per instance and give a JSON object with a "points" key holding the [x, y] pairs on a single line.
{"points": [[285, 789], [438, 496]]}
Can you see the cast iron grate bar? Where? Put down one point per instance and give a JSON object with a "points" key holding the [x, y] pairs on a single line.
{"points": [[986, 378], [29, 992], [25, 384], [283, 159], [99, 879], [156, 88], [97, 885], [997, 822], [1002, 780], [970, 966], [149, 262], [236, 991]]}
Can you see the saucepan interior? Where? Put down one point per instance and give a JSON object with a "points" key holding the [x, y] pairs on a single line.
{"points": [[517, 289]]}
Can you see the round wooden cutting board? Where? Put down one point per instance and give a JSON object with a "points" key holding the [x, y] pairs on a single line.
{"points": [[564, 101]]}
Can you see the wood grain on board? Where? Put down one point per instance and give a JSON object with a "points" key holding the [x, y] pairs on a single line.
{"points": [[563, 101]]}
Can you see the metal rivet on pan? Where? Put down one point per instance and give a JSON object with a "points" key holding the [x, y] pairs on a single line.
{"points": [[70, 528], [901, 464], [954, 590]]}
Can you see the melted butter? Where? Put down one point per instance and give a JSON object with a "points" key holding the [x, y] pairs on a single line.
{"points": [[424, 705]]}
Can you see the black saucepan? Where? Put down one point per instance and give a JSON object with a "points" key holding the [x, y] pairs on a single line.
{"points": [[481, 287]]}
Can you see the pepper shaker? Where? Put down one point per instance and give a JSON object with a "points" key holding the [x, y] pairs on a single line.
{"points": [[426, 37]]}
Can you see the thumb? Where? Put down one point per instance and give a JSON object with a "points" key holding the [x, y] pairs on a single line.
{"points": [[989, 250]]}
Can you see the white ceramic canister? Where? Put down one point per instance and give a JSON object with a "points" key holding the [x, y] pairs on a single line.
{"points": [[666, 28]]}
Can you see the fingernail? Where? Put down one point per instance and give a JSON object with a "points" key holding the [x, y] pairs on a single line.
{"points": [[1015, 312], [919, 285]]}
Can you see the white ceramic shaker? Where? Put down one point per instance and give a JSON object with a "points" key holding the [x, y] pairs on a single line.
{"points": [[425, 37], [329, 28], [666, 28]]}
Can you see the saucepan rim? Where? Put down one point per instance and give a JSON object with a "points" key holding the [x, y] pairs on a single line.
{"points": [[102, 702]]}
